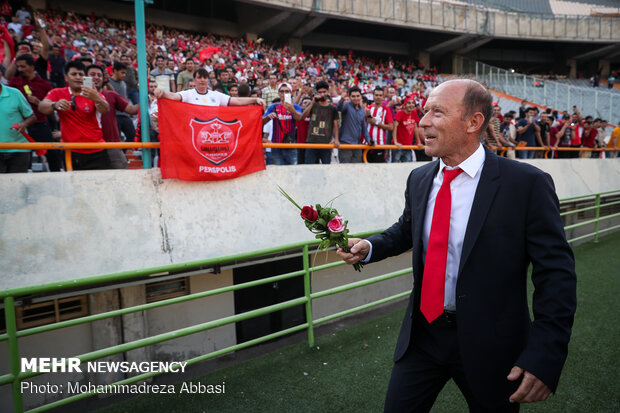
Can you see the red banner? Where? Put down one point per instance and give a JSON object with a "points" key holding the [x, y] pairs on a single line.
{"points": [[209, 143]]}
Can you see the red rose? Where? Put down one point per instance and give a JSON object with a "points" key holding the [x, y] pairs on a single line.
{"points": [[308, 213]]}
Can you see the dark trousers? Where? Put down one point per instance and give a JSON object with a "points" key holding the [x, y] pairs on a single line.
{"points": [[421, 156], [314, 156], [431, 360], [301, 156], [87, 161], [376, 156], [41, 132], [14, 162], [125, 125]]}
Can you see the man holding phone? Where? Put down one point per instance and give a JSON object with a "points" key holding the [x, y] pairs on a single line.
{"points": [[78, 108], [528, 131], [284, 116]]}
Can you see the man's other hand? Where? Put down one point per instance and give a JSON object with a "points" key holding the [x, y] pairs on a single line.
{"points": [[359, 250], [531, 389]]}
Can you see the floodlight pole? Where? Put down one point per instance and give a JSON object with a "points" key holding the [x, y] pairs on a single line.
{"points": [[145, 120]]}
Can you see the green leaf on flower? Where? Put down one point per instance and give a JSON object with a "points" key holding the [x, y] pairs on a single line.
{"points": [[287, 196]]}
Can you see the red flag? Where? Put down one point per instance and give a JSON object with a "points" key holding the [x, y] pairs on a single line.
{"points": [[207, 53], [209, 143]]}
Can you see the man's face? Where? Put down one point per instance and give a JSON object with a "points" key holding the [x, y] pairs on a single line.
{"points": [[24, 69], [544, 118], [322, 94], [55, 51], [120, 74], [496, 111], [507, 120], [233, 91], [273, 79], [97, 76], [23, 49], [531, 113], [378, 96], [305, 103], [160, 63], [390, 93], [189, 65], [409, 106], [125, 60], [171, 64], [283, 91], [201, 83], [191, 84], [74, 78], [152, 87], [444, 129], [230, 72], [356, 98], [224, 76]]}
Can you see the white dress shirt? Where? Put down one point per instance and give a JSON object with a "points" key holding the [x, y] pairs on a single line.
{"points": [[463, 189]]}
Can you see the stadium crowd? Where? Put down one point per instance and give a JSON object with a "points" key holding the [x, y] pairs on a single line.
{"points": [[78, 82]]}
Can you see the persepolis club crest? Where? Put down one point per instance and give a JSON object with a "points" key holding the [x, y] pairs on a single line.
{"points": [[214, 139]]}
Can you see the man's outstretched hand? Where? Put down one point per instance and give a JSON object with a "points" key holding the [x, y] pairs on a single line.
{"points": [[359, 250], [531, 389]]}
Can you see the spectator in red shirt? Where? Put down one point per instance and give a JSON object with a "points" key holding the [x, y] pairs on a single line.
{"points": [[588, 137], [379, 123], [78, 108], [302, 131], [109, 125], [35, 89], [406, 126]]}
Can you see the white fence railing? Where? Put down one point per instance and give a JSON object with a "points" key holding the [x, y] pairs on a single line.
{"points": [[557, 95]]}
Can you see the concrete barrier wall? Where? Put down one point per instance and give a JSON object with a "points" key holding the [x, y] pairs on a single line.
{"points": [[458, 18], [61, 226]]}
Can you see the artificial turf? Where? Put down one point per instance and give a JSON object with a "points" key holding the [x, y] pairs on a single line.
{"points": [[348, 370]]}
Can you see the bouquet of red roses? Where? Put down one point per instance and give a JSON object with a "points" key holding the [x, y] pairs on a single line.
{"points": [[326, 224]]}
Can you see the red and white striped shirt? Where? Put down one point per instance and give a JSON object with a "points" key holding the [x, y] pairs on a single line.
{"points": [[383, 115]]}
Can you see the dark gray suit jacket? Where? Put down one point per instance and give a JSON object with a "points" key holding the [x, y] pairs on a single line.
{"points": [[514, 222]]}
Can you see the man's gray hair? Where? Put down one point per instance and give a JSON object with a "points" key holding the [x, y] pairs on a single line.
{"points": [[477, 99]]}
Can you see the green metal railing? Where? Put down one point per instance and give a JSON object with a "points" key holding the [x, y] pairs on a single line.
{"points": [[15, 377]]}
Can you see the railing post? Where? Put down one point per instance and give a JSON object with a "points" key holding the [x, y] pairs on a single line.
{"points": [[145, 119], [597, 202], [11, 331], [596, 102], [307, 292]]}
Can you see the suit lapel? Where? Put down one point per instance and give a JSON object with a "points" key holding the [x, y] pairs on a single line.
{"points": [[419, 200], [485, 193]]}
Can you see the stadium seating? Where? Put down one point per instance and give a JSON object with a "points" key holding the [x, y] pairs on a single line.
{"points": [[585, 7]]}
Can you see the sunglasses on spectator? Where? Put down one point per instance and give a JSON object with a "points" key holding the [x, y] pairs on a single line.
{"points": [[284, 91]]}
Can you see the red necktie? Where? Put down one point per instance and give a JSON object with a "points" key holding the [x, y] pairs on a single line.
{"points": [[433, 280]]}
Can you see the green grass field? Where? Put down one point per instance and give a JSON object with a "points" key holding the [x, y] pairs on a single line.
{"points": [[348, 370]]}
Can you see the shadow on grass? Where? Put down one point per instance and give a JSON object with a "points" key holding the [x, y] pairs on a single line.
{"points": [[348, 370]]}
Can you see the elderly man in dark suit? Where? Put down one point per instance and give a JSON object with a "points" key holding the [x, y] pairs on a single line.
{"points": [[468, 316]]}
